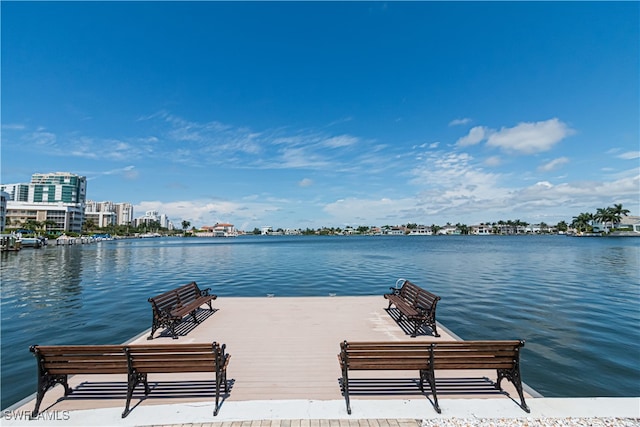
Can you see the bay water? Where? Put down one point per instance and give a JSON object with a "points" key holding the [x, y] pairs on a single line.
{"points": [[575, 301]]}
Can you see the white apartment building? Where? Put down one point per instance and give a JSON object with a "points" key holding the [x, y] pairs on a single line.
{"points": [[104, 214], [54, 199], [154, 216]]}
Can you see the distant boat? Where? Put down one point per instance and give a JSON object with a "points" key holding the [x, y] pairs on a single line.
{"points": [[31, 242]]}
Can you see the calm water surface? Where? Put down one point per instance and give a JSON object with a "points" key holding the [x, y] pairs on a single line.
{"points": [[576, 301]]}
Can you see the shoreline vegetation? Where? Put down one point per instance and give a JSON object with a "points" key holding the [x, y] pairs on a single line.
{"points": [[604, 222]]}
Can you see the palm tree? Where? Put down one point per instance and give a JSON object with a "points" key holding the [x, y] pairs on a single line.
{"points": [[562, 226], [31, 225], [581, 222], [48, 223], [618, 212], [185, 225], [605, 216]]}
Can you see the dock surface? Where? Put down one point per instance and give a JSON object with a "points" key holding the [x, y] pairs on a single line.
{"points": [[284, 366]]}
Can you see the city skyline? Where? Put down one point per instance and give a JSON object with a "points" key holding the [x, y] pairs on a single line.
{"points": [[307, 115]]}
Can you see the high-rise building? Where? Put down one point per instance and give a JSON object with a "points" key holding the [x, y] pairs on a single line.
{"points": [[58, 187], [124, 213], [108, 213], [55, 200]]}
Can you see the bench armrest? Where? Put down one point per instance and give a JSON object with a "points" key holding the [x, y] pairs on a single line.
{"points": [[395, 291], [205, 292]]}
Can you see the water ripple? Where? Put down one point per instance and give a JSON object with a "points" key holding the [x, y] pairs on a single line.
{"points": [[573, 300]]}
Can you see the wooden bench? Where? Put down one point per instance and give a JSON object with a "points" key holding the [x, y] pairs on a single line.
{"points": [[426, 358], [56, 363], [170, 307], [417, 305]]}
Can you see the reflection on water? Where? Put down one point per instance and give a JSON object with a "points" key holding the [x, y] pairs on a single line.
{"points": [[568, 297]]}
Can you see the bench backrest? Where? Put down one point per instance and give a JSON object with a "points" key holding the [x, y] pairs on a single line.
{"points": [[477, 354], [182, 295], [426, 300], [177, 358], [409, 291], [418, 296], [116, 359], [384, 355], [188, 293], [164, 302], [81, 359], [417, 356]]}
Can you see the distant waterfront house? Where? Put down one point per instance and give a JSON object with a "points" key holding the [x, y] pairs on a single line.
{"points": [[218, 230], [481, 229], [449, 229], [629, 225], [421, 230]]}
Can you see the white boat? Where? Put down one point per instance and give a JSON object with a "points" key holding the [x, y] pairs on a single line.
{"points": [[30, 242]]}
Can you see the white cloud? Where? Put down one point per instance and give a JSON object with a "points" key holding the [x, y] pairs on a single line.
{"points": [[14, 126], [459, 122], [475, 135], [493, 161], [41, 138], [553, 164], [306, 182], [530, 138], [629, 155], [340, 141]]}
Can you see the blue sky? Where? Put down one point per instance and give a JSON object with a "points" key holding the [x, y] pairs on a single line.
{"points": [[310, 114]]}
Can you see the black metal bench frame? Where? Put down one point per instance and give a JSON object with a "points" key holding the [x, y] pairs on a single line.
{"points": [[416, 304], [426, 358], [56, 363], [170, 307]]}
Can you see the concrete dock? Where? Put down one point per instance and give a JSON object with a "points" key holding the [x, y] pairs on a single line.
{"points": [[284, 367]]}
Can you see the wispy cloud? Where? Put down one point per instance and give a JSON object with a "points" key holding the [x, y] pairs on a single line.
{"points": [[553, 164], [460, 122], [41, 138], [13, 126], [629, 155], [340, 141]]}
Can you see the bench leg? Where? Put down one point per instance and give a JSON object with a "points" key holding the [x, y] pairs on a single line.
{"points": [[45, 382], [154, 328], [219, 379], [416, 328], [345, 389], [134, 378], [172, 328], [430, 377], [195, 318], [435, 330], [513, 375]]}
